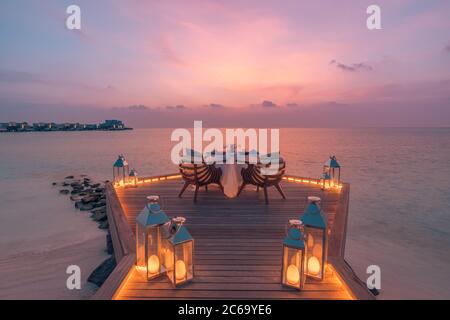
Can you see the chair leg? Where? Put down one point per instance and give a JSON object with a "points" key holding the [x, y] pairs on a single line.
{"points": [[257, 188], [266, 197], [220, 185], [195, 194], [206, 188], [280, 190], [240, 189], [186, 184]]}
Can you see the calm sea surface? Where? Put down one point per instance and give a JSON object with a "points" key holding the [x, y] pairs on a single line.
{"points": [[400, 188]]}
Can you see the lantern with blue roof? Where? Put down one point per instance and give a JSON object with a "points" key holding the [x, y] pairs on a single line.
{"points": [[333, 169], [121, 171], [294, 253], [315, 222], [149, 241], [178, 252], [133, 179]]}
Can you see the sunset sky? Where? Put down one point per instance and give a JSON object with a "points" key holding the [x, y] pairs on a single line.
{"points": [[299, 62]]}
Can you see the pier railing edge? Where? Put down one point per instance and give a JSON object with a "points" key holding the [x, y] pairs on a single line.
{"points": [[123, 244]]}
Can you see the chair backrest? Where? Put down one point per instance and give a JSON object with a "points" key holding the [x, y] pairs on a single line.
{"points": [[195, 173], [256, 176]]}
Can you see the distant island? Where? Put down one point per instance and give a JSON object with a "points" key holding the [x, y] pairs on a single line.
{"points": [[108, 125]]}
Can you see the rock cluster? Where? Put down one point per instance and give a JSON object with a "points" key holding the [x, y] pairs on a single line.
{"points": [[89, 196]]}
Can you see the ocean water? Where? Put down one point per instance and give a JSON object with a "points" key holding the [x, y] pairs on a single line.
{"points": [[400, 191]]}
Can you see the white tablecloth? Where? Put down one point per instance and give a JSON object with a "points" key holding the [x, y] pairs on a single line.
{"points": [[231, 178]]}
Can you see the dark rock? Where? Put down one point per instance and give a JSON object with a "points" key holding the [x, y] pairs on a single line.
{"points": [[85, 207], [99, 216], [64, 191], [89, 199], [54, 183], [75, 191], [104, 225], [78, 204], [70, 177], [76, 184], [95, 185], [65, 184], [374, 291], [109, 244], [75, 198], [101, 273], [100, 190], [99, 204], [99, 209]]}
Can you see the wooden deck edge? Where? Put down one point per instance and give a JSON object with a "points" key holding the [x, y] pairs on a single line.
{"points": [[123, 244], [117, 279], [338, 236], [355, 286], [121, 233]]}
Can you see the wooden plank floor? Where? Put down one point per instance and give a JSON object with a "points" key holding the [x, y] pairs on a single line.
{"points": [[237, 243]]}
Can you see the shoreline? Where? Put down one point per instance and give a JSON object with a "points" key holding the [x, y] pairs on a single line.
{"points": [[41, 235]]}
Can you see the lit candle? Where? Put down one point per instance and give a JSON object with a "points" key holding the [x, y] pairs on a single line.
{"points": [[292, 275], [313, 266], [153, 264], [180, 270]]}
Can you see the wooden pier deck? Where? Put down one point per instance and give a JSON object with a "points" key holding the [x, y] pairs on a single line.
{"points": [[237, 242]]}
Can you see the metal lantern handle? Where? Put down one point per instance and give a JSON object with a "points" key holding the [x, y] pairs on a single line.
{"points": [[294, 223], [176, 223]]}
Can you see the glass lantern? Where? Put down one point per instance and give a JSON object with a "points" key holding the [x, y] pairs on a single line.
{"points": [[294, 253], [315, 222], [133, 179], [178, 252], [325, 181], [121, 171], [333, 169], [149, 241]]}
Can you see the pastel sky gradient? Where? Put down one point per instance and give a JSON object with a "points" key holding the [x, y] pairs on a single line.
{"points": [[294, 61]]}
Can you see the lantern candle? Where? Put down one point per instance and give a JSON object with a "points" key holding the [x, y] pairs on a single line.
{"points": [[121, 171], [315, 223], [178, 253], [153, 264], [313, 266], [292, 275], [180, 270], [149, 254], [294, 252]]}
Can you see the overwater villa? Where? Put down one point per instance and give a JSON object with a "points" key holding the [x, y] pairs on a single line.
{"points": [[108, 125], [229, 232]]}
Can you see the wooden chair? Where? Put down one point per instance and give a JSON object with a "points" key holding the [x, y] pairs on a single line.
{"points": [[252, 175], [199, 175]]}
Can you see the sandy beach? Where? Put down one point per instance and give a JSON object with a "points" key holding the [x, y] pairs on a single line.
{"points": [[41, 234]]}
